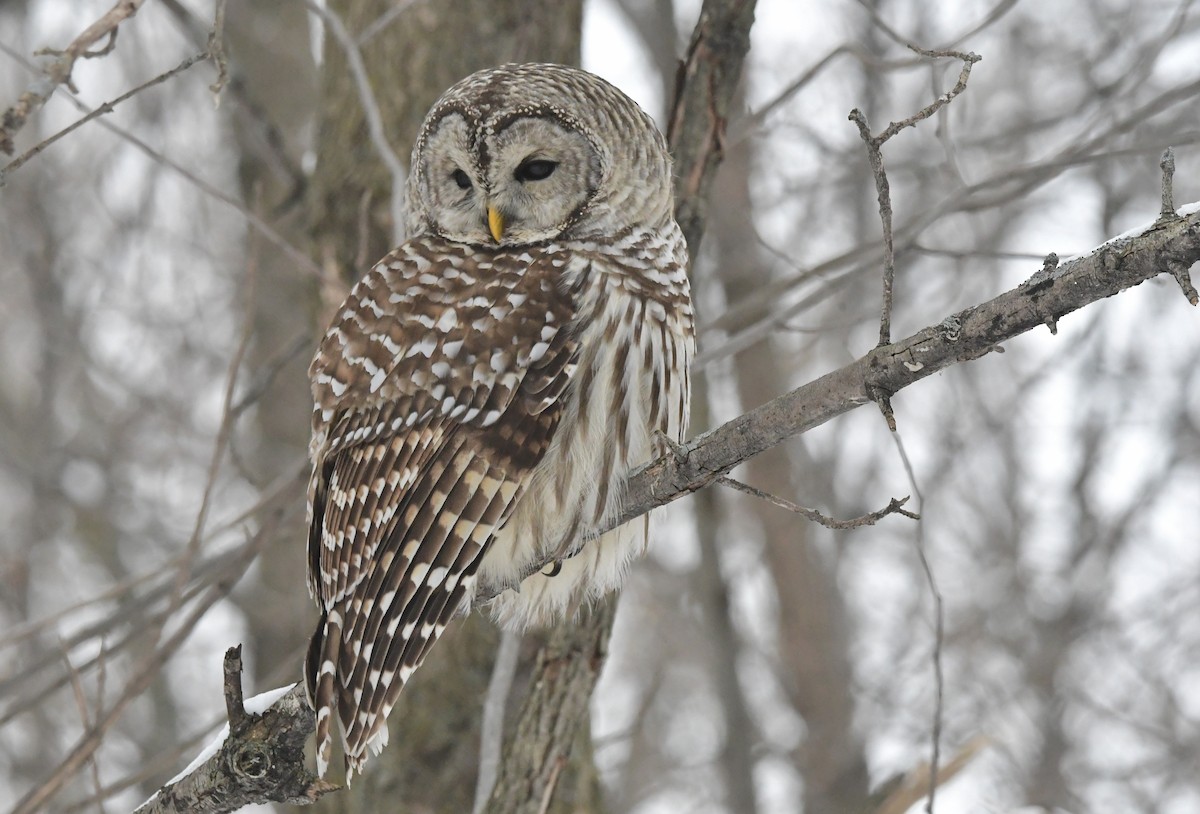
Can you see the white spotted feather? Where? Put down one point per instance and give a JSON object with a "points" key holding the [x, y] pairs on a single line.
{"points": [[486, 388]]}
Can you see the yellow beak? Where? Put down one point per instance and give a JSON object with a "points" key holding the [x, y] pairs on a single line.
{"points": [[495, 223]]}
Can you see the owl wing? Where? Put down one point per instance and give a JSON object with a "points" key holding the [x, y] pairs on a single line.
{"points": [[437, 391]]}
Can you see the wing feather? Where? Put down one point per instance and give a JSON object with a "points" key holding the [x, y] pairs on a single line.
{"points": [[435, 399]]}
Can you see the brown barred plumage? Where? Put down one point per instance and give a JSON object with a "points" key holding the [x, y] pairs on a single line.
{"points": [[485, 389]]}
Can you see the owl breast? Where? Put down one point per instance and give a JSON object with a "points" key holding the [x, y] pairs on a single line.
{"points": [[635, 328]]}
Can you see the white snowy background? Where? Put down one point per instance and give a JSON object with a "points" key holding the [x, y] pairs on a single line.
{"points": [[1061, 480]]}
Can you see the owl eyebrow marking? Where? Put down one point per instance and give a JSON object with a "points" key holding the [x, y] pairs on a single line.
{"points": [[545, 112]]}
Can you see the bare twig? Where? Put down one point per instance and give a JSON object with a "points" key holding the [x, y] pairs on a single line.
{"points": [[874, 145], [106, 107], [58, 71], [301, 260], [939, 682], [895, 506], [384, 20], [216, 47], [372, 113], [1167, 165], [266, 371], [84, 717]]}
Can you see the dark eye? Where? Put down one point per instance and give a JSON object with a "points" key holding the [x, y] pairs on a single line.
{"points": [[537, 169], [462, 179]]}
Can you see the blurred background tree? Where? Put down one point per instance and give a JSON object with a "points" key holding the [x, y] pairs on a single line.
{"points": [[154, 407]]}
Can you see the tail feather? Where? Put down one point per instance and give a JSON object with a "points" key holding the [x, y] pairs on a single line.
{"points": [[321, 675]]}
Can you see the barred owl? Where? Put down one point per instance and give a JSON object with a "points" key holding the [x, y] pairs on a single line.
{"points": [[487, 386]]}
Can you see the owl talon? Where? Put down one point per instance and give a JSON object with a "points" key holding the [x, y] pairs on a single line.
{"points": [[552, 569]]}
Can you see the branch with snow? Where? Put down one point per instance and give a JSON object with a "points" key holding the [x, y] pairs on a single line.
{"points": [[258, 757]]}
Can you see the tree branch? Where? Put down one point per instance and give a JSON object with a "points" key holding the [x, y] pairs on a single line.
{"points": [[704, 89], [103, 109], [257, 758], [58, 70], [1053, 292], [1168, 246]]}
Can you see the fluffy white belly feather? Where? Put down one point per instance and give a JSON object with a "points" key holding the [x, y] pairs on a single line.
{"points": [[632, 348]]}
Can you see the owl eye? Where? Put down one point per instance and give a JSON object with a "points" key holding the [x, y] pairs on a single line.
{"points": [[462, 179], [537, 169]]}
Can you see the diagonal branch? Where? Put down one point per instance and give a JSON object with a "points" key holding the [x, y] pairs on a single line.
{"points": [[58, 71], [1049, 294], [103, 109]]}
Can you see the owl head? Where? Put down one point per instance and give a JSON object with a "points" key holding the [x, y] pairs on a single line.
{"points": [[526, 153]]}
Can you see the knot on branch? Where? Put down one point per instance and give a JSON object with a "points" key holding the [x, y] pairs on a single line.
{"points": [[251, 761]]}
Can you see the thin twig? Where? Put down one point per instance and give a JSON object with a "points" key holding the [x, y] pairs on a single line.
{"points": [[58, 71], [84, 716], [106, 107], [371, 111], [254, 389], [216, 47], [895, 506], [1167, 165], [383, 21], [939, 682], [884, 196], [874, 145], [261, 226]]}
